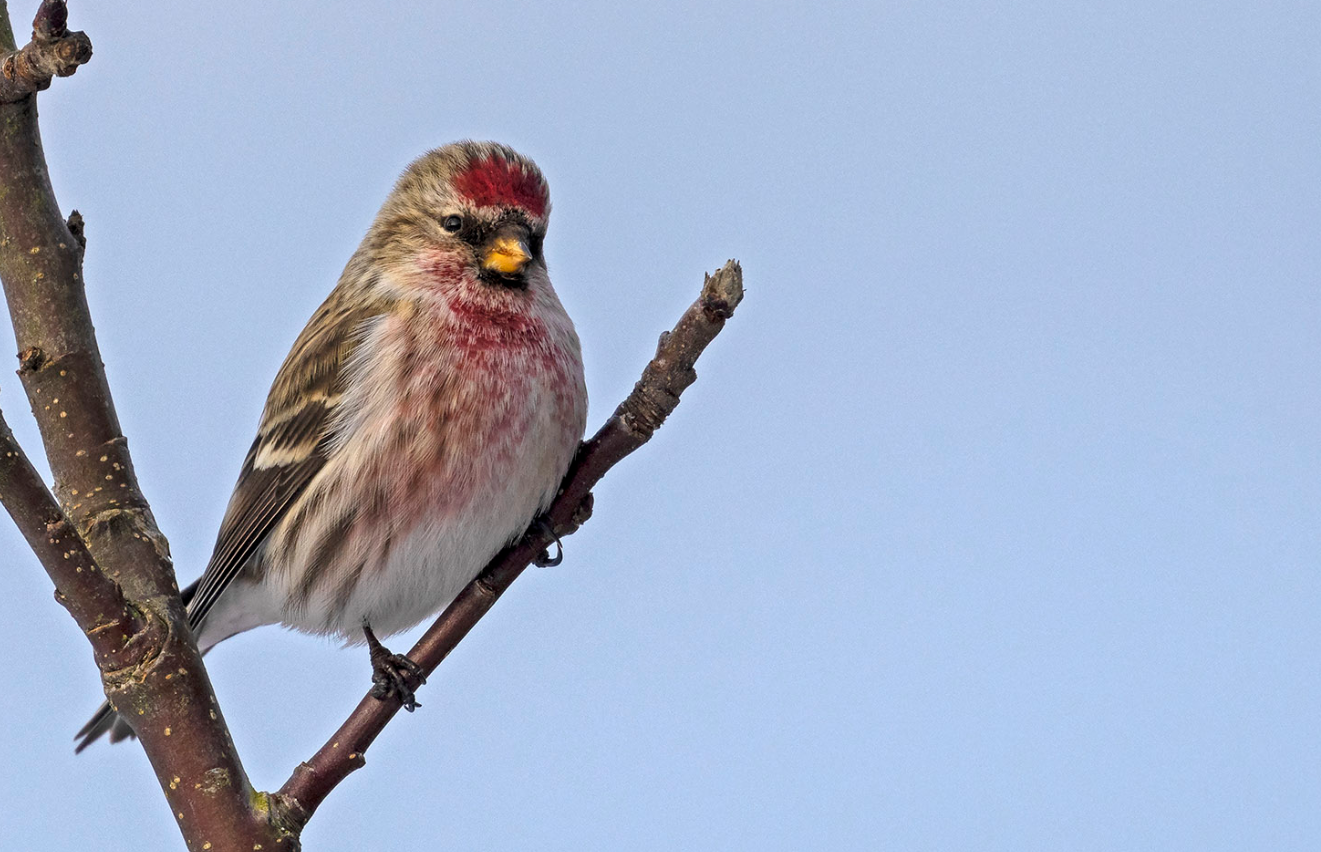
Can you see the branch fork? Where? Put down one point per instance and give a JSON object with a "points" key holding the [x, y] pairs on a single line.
{"points": [[99, 543]]}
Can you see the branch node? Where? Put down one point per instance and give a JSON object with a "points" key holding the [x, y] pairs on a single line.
{"points": [[581, 515], [51, 22], [53, 52], [138, 521], [75, 224], [722, 292], [31, 360], [648, 405], [134, 661], [284, 814], [485, 587]]}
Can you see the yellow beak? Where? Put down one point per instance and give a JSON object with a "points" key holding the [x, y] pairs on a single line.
{"points": [[506, 255]]}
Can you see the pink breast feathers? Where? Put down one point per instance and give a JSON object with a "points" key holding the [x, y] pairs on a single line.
{"points": [[484, 323], [496, 182]]}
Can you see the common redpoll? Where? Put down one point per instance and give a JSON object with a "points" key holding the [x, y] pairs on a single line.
{"points": [[422, 420]]}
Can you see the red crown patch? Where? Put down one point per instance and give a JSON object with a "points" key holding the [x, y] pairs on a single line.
{"points": [[495, 182]]}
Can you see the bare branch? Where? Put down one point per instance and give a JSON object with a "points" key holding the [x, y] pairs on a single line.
{"points": [[156, 681], [94, 600], [100, 544], [653, 398], [53, 52]]}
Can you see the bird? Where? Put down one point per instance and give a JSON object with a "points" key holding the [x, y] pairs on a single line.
{"points": [[423, 419]]}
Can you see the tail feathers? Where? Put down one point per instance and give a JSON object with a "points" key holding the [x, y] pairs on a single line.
{"points": [[106, 720]]}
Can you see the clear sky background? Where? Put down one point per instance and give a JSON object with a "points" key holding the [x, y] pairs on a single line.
{"points": [[992, 522]]}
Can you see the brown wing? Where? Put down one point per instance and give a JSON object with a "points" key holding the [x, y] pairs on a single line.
{"points": [[291, 445]]}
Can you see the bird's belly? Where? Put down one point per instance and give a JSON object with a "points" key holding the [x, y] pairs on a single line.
{"points": [[428, 489], [446, 543]]}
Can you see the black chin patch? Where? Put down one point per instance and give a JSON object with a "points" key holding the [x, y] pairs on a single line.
{"points": [[508, 282]]}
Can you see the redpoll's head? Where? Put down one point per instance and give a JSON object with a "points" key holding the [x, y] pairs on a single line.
{"points": [[471, 210]]}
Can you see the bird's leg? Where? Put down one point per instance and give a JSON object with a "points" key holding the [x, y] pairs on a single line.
{"points": [[392, 674], [544, 559]]}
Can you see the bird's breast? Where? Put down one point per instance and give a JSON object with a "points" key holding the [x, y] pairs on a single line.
{"points": [[456, 429], [465, 403]]}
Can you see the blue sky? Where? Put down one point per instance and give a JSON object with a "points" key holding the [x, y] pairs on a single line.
{"points": [[990, 523]]}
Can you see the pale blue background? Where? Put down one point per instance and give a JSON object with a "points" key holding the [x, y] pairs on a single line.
{"points": [[992, 523]]}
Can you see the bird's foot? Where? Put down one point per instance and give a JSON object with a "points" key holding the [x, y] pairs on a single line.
{"points": [[393, 674], [544, 560]]}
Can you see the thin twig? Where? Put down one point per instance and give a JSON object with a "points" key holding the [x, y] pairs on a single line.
{"points": [[653, 398]]}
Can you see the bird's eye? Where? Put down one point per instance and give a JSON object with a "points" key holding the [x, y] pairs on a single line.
{"points": [[451, 224]]}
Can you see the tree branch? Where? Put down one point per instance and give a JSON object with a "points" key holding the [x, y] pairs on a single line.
{"points": [[157, 681], [94, 600], [96, 536], [653, 398], [53, 52]]}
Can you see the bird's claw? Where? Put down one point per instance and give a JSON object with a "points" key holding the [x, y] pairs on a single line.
{"points": [[544, 559], [393, 674]]}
